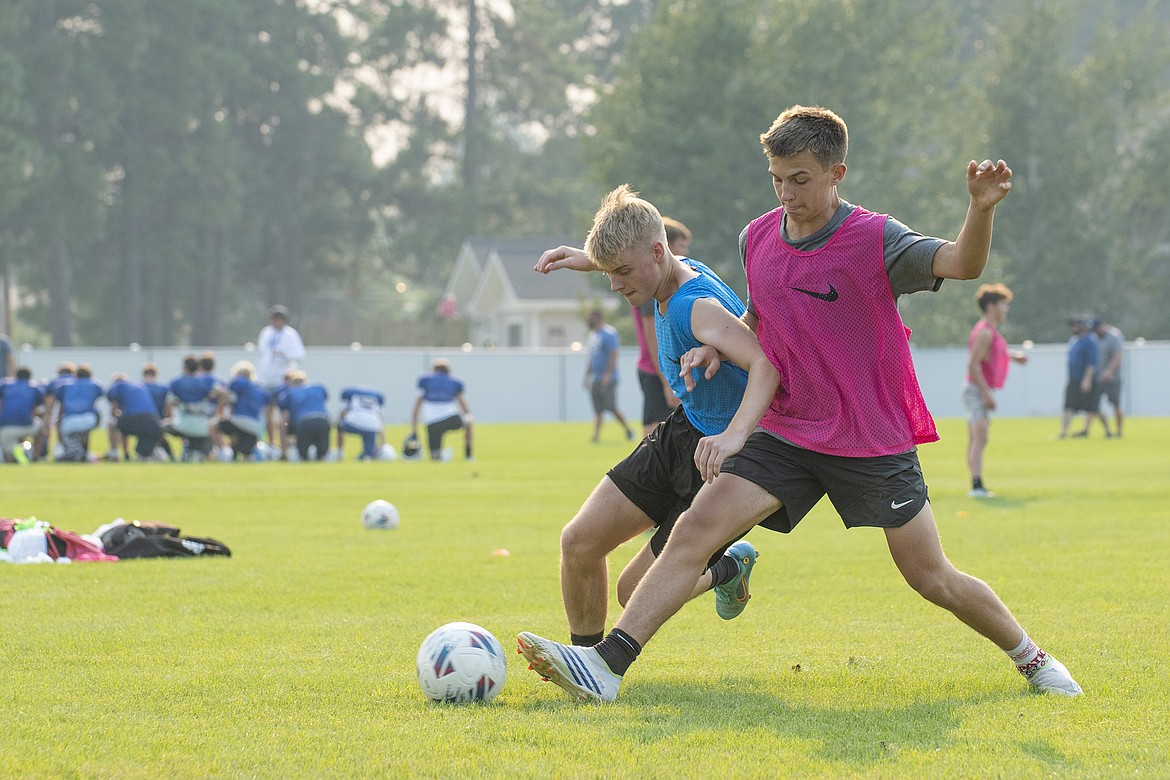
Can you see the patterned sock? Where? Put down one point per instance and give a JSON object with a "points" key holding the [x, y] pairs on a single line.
{"points": [[586, 640], [724, 571], [1027, 656], [618, 650]]}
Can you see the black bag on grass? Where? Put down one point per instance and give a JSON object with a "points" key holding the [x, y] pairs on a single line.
{"points": [[144, 539]]}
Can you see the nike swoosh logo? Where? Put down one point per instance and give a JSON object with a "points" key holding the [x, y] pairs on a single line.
{"points": [[899, 506], [830, 296]]}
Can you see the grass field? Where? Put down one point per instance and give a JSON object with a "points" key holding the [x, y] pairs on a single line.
{"points": [[295, 657]]}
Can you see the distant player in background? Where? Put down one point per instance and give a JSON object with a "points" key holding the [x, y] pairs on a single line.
{"points": [[158, 393], [441, 407], [601, 372], [133, 413], [305, 416], [280, 350], [192, 399], [658, 400], [1110, 348], [241, 421], [79, 414], [66, 373], [361, 414], [1080, 392], [22, 411], [988, 360]]}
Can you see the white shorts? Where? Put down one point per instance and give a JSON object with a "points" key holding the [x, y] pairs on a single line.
{"points": [[973, 403], [11, 435], [79, 423]]}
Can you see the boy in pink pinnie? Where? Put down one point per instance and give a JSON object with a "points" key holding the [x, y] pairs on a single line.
{"points": [[823, 279]]}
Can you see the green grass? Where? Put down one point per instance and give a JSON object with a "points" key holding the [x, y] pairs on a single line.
{"points": [[295, 657]]}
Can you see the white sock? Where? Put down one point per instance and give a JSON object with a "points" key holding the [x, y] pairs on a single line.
{"points": [[1027, 657]]}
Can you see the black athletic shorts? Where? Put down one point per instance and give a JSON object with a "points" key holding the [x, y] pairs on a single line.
{"points": [[1110, 390], [654, 408], [1078, 400], [436, 430], [660, 477], [604, 396], [886, 491]]}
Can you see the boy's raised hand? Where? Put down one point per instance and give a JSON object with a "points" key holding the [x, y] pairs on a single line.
{"points": [[988, 182], [563, 257]]}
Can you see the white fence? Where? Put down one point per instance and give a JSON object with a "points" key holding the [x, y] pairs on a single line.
{"points": [[505, 385]]}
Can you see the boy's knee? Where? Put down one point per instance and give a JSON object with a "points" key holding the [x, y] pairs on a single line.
{"points": [[936, 585]]}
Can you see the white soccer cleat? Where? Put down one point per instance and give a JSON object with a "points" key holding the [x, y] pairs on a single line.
{"points": [[579, 670], [980, 493], [1052, 677]]}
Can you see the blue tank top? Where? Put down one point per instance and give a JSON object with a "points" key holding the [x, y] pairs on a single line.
{"points": [[714, 402]]}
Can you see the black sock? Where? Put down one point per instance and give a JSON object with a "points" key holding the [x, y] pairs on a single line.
{"points": [[976, 483], [618, 650], [724, 571], [586, 640]]}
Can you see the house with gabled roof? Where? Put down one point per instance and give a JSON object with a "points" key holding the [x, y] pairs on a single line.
{"points": [[507, 304]]}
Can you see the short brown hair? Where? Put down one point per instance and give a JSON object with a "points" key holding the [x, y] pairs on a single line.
{"points": [[815, 129], [675, 230], [989, 294]]}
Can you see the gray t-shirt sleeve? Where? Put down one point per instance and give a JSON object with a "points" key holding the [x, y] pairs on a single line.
{"points": [[908, 255]]}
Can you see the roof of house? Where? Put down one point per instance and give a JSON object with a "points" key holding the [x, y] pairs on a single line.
{"points": [[518, 256]]}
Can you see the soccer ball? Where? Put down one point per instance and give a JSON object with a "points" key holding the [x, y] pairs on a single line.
{"points": [[461, 662], [380, 514]]}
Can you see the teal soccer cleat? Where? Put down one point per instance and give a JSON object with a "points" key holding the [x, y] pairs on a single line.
{"points": [[732, 597]]}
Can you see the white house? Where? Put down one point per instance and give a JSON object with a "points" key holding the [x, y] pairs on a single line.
{"points": [[510, 305]]}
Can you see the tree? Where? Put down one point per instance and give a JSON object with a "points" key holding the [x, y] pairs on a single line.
{"points": [[704, 80]]}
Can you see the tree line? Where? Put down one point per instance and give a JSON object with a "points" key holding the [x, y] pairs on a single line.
{"points": [[168, 170]]}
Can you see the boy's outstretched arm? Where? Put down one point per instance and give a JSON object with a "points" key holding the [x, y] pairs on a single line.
{"points": [[563, 257], [965, 257]]}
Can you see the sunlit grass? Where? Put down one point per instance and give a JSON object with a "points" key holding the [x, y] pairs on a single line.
{"points": [[295, 657]]}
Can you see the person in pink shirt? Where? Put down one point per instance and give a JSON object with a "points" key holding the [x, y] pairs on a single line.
{"points": [[988, 360], [823, 279]]}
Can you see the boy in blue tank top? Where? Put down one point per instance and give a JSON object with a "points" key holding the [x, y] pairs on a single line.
{"points": [[652, 486]]}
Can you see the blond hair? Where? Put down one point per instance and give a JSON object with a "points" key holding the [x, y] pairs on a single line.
{"points": [[243, 368], [623, 221]]}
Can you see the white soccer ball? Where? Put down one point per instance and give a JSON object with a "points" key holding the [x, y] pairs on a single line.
{"points": [[380, 514], [461, 662], [387, 452]]}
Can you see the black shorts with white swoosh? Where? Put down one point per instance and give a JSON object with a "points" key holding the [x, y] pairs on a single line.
{"points": [[885, 491]]}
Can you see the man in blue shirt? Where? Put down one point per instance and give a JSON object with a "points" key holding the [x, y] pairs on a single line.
{"points": [[22, 405], [306, 417], [65, 375], [79, 415], [247, 402], [192, 400], [441, 407], [1082, 371], [601, 372], [133, 413]]}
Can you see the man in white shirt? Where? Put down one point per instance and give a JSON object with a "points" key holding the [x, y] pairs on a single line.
{"points": [[281, 350]]}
